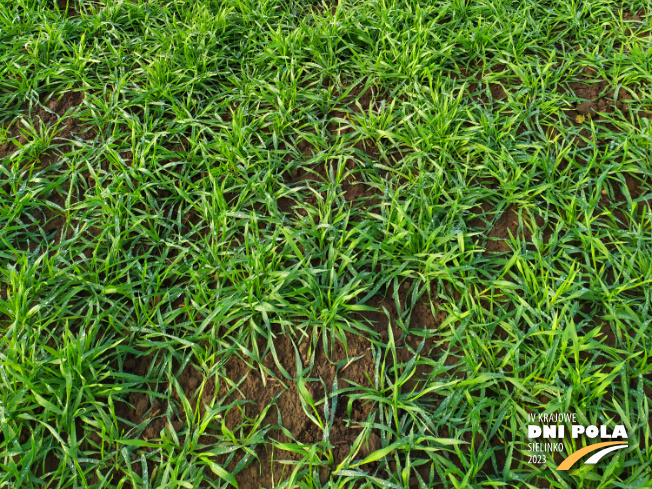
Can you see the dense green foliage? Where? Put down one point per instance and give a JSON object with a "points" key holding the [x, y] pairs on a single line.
{"points": [[199, 206]]}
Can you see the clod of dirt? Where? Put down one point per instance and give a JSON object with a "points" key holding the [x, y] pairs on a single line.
{"points": [[589, 91], [586, 108], [597, 100], [422, 317], [497, 91]]}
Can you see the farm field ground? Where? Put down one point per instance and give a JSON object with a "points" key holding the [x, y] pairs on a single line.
{"points": [[354, 244]]}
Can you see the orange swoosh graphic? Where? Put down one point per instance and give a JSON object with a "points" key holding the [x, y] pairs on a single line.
{"points": [[575, 456]]}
